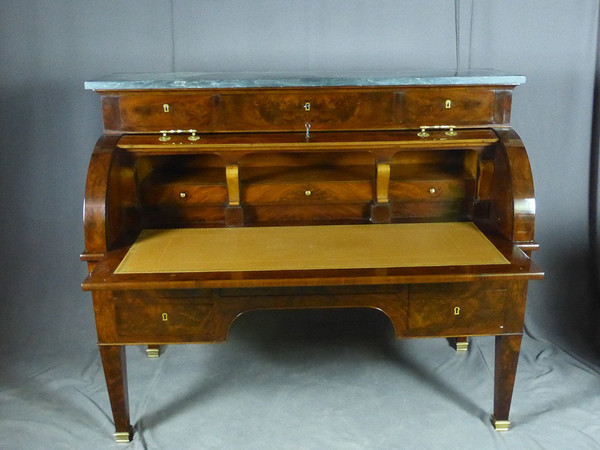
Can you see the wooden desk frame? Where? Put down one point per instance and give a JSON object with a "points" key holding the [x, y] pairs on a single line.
{"points": [[251, 166]]}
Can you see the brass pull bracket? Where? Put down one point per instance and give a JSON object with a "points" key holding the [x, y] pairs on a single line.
{"points": [[165, 134], [450, 130]]}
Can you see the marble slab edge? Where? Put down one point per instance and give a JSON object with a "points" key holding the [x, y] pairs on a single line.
{"points": [[208, 80]]}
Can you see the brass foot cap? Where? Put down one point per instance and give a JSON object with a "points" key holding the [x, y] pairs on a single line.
{"points": [[500, 425], [153, 352], [123, 437], [462, 346]]}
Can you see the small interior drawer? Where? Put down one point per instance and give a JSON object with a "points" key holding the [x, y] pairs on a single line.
{"points": [[184, 186], [427, 189], [454, 310], [307, 185], [185, 194], [309, 192], [163, 320]]}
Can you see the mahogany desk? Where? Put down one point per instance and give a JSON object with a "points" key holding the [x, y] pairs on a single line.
{"points": [[210, 195]]}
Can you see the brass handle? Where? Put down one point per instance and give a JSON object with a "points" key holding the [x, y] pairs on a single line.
{"points": [[307, 192], [423, 133], [182, 195], [450, 130], [432, 190], [165, 134]]}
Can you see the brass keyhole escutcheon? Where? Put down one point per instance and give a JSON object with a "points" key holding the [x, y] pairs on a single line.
{"points": [[307, 106], [448, 104], [165, 317], [457, 310], [166, 107]]}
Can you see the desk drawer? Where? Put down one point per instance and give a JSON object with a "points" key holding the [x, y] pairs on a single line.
{"points": [[160, 320], [185, 194], [308, 184], [309, 192], [456, 309], [154, 112], [427, 189], [448, 106], [289, 111], [176, 183]]}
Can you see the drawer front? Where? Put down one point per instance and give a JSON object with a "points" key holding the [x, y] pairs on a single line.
{"points": [[289, 111], [309, 192], [456, 309], [449, 211], [449, 106], [164, 320], [161, 216], [268, 214], [427, 189], [155, 112], [185, 195]]}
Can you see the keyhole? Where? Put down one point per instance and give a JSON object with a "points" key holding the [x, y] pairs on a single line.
{"points": [[165, 317], [448, 104], [307, 106], [166, 107], [457, 311]]}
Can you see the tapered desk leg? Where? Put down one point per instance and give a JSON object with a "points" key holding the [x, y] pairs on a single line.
{"points": [[115, 372], [507, 357]]}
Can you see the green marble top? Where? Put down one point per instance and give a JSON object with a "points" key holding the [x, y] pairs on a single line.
{"points": [[230, 80]]}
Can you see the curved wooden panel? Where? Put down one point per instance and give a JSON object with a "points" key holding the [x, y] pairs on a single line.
{"points": [[512, 196], [94, 209]]}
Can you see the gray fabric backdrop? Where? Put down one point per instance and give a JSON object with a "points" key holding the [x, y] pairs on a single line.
{"points": [[49, 124]]}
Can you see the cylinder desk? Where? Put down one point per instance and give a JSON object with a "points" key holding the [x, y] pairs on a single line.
{"points": [[209, 195]]}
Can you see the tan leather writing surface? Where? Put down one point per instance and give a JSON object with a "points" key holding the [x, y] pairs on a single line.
{"points": [[309, 247]]}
